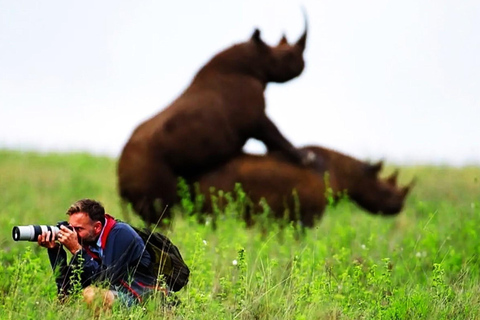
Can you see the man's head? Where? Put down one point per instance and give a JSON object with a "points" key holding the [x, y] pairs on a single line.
{"points": [[87, 217]]}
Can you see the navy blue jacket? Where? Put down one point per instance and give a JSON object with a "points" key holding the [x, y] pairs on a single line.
{"points": [[124, 264]]}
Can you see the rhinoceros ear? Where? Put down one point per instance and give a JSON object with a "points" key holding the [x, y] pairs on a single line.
{"points": [[375, 168], [256, 36], [392, 179], [283, 41]]}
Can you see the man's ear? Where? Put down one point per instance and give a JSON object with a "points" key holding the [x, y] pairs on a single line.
{"points": [[97, 226]]}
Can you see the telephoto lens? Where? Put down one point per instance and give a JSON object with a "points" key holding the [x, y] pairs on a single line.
{"points": [[31, 232]]}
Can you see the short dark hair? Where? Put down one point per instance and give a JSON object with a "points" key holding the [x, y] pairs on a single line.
{"points": [[93, 208]]}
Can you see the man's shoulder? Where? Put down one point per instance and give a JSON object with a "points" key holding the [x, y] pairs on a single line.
{"points": [[123, 233], [122, 227], [121, 224]]}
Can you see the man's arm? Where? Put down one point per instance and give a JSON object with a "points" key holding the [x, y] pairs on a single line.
{"points": [[58, 261], [80, 260]]}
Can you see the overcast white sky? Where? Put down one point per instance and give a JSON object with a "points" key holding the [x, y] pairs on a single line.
{"points": [[397, 80]]}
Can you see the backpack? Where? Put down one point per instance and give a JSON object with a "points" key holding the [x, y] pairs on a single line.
{"points": [[166, 259]]}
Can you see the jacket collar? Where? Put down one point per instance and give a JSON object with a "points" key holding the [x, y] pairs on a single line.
{"points": [[109, 223]]}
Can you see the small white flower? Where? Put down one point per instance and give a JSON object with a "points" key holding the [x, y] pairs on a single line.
{"points": [[234, 262], [418, 254], [205, 242], [363, 247]]}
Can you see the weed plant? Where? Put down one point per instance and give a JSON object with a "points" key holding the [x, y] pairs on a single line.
{"points": [[422, 264]]}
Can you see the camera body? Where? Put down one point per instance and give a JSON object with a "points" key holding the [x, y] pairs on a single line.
{"points": [[31, 232]]}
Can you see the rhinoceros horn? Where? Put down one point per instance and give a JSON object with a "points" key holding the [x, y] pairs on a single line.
{"points": [[303, 39], [407, 188]]}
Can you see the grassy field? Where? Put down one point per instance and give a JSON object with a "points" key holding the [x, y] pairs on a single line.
{"points": [[422, 264]]}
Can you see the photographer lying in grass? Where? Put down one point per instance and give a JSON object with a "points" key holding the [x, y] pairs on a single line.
{"points": [[104, 250]]}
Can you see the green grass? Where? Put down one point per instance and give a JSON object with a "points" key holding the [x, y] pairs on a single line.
{"points": [[422, 264]]}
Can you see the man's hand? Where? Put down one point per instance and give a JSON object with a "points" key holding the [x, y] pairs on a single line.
{"points": [[69, 239], [47, 240]]}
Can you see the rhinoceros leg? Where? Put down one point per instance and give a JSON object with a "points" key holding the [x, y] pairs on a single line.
{"points": [[268, 133], [152, 193]]}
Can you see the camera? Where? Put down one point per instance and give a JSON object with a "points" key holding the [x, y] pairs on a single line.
{"points": [[31, 232]]}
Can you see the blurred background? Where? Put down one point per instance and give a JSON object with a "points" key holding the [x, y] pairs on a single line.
{"points": [[383, 79]]}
